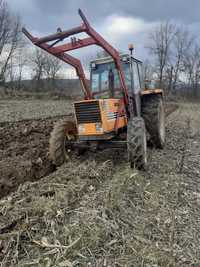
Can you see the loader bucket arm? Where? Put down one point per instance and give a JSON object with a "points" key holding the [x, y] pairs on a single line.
{"points": [[59, 51]]}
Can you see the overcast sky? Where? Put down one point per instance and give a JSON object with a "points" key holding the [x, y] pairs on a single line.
{"points": [[120, 21]]}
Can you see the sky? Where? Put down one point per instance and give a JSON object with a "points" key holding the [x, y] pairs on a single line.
{"points": [[120, 21]]}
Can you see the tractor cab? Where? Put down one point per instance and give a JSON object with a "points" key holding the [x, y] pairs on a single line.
{"points": [[102, 117], [105, 80]]}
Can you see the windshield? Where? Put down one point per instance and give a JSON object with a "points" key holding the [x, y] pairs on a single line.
{"points": [[105, 81]]}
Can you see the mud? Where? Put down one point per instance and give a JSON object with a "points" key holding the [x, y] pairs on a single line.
{"points": [[24, 152], [18, 110]]}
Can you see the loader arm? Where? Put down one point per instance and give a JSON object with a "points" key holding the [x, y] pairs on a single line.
{"points": [[59, 51]]}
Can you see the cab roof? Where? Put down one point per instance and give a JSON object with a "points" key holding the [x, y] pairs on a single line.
{"points": [[110, 59]]}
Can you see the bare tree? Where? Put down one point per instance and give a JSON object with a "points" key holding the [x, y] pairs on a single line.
{"points": [[148, 70], [10, 36], [21, 61], [88, 57], [45, 67], [101, 53], [181, 45], [38, 62], [192, 69], [52, 67], [161, 39]]}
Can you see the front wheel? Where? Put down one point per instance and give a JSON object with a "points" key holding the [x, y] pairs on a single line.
{"points": [[60, 143], [137, 143]]}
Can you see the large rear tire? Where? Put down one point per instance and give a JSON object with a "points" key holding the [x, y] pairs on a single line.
{"points": [[136, 143], [64, 132], [154, 116]]}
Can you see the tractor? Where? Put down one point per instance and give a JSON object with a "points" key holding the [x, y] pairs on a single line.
{"points": [[116, 110]]}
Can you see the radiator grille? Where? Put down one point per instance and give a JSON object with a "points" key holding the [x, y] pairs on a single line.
{"points": [[87, 112]]}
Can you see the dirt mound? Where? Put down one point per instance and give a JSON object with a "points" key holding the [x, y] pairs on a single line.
{"points": [[98, 212], [24, 152]]}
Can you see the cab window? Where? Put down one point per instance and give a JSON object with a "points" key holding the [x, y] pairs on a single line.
{"points": [[105, 81], [136, 77]]}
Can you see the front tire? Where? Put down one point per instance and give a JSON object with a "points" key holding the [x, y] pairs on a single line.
{"points": [[64, 132], [137, 143]]}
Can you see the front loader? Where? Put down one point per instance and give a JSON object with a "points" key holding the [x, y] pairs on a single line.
{"points": [[116, 110]]}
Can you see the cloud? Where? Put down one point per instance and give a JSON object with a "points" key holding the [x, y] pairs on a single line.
{"points": [[46, 14], [119, 27], [121, 30], [120, 22]]}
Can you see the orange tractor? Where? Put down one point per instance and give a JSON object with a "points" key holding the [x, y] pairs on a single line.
{"points": [[116, 110]]}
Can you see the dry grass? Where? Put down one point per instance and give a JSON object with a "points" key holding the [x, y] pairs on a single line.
{"points": [[100, 214], [101, 220]]}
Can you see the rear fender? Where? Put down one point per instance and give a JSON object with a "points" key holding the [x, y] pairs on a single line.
{"points": [[147, 94], [152, 92]]}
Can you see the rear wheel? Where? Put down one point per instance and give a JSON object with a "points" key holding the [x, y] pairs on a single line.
{"points": [[154, 117], [136, 143], [60, 143]]}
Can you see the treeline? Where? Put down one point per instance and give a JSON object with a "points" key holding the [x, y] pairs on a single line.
{"points": [[10, 40], [18, 59], [174, 58]]}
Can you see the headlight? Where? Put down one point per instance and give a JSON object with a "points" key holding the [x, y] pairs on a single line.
{"points": [[98, 127], [81, 128]]}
